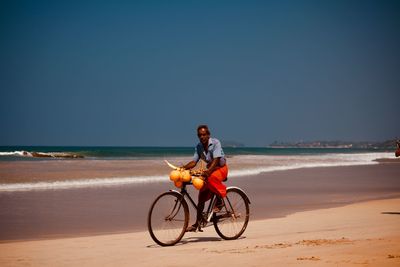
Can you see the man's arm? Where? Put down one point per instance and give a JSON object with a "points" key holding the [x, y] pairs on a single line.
{"points": [[213, 165], [189, 165]]}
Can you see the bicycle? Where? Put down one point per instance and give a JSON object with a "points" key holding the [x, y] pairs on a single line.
{"points": [[168, 216]]}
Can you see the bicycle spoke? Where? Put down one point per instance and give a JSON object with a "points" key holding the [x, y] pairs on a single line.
{"points": [[234, 218], [168, 219]]}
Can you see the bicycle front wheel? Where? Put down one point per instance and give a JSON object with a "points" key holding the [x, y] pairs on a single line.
{"points": [[231, 221], [168, 218]]}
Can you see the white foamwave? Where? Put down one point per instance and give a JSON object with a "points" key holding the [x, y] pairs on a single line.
{"points": [[81, 183], [268, 163], [13, 153], [255, 171], [246, 165], [36, 154]]}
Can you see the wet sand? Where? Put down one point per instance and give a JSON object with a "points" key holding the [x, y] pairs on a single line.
{"points": [[361, 234], [53, 214], [59, 170]]}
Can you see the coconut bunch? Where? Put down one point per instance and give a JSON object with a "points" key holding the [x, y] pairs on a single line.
{"points": [[179, 176]]}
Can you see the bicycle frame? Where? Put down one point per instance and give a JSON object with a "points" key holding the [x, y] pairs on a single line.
{"points": [[186, 194], [166, 228]]}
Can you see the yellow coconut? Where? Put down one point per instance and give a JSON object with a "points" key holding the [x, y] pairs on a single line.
{"points": [[178, 184], [185, 176], [198, 183], [175, 176]]}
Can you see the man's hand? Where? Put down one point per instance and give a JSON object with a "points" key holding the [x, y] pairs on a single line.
{"points": [[206, 173], [211, 167], [188, 166]]}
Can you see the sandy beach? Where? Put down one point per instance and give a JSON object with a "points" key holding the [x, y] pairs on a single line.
{"points": [[43, 214], [114, 114], [335, 216], [362, 234]]}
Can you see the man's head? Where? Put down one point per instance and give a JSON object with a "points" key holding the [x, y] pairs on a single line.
{"points": [[203, 133]]}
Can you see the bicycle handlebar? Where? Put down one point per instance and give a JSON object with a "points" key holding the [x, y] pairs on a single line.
{"points": [[196, 172]]}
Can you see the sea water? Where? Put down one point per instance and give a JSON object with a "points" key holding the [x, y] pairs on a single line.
{"points": [[116, 166]]}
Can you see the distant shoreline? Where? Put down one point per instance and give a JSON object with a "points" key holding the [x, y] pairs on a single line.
{"points": [[387, 144], [317, 147]]}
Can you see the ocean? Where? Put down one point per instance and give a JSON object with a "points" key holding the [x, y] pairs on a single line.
{"points": [[48, 193], [59, 168]]}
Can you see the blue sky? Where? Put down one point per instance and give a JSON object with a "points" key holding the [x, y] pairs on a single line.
{"points": [[146, 73]]}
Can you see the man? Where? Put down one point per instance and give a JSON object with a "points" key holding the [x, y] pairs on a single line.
{"points": [[210, 150]]}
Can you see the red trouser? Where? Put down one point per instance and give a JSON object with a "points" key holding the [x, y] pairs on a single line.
{"points": [[214, 184]]}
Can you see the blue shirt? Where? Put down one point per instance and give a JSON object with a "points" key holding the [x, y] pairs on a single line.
{"points": [[214, 151]]}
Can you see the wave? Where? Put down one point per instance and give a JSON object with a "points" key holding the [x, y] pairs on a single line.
{"points": [[34, 154], [82, 183], [264, 164], [255, 171], [13, 153]]}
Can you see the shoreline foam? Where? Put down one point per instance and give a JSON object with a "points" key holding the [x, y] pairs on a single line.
{"points": [[239, 166]]}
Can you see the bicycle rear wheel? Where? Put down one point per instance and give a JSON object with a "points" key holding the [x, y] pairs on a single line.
{"points": [[232, 220], [168, 218]]}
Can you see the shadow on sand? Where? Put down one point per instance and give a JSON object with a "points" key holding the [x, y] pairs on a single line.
{"points": [[391, 212], [194, 239]]}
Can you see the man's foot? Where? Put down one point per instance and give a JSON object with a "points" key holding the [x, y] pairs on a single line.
{"points": [[192, 228], [219, 204]]}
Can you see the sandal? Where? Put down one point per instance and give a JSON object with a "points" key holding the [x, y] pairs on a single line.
{"points": [[192, 228], [219, 204]]}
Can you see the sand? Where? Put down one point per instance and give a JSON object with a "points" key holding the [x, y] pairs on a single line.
{"points": [[338, 216], [95, 211], [361, 234]]}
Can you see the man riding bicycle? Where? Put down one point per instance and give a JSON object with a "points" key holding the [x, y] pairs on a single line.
{"points": [[210, 150]]}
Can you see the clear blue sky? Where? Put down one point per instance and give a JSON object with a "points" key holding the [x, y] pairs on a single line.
{"points": [[148, 72]]}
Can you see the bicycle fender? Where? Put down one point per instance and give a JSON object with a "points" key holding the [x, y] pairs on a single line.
{"points": [[175, 191], [241, 190], [178, 193]]}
